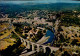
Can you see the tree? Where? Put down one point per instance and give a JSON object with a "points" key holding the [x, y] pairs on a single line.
{"points": [[74, 42]]}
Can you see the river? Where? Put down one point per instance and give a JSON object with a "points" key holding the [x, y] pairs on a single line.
{"points": [[52, 36]]}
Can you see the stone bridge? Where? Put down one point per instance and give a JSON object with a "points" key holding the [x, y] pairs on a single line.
{"points": [[35, 46], [38, 46]]}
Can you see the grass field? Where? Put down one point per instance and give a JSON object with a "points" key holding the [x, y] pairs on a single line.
{"points": [[7, 42]]}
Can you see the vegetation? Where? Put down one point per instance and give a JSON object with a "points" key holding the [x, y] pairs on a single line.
{"points": [[14, 50]]}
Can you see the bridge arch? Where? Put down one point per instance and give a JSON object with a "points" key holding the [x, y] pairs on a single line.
{"points": [[33, 46], [48, 51], [41, 48], [44, 49]]}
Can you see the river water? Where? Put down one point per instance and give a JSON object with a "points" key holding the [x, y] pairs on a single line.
{"points": [[52, 36]]}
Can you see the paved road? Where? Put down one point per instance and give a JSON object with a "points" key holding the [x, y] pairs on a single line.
{"points": [[6, 28], [3, 29], [6, 37]]}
